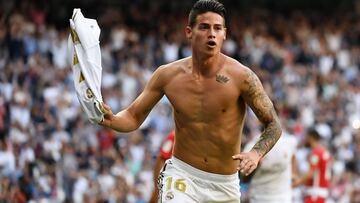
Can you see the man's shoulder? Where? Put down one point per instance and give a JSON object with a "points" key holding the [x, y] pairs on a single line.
{"points": [[317, 151], [235, 67], [175, 67], [238, 70], [321, 151], [178, 63]]}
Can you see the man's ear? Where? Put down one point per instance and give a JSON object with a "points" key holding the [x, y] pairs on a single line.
{"points": [[224, 33], [188, 32]]}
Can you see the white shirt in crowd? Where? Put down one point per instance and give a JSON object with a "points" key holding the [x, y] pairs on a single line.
{"points": [[271, 182]]}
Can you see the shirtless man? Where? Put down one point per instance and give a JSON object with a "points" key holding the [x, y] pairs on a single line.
{"points": [[209, 93]]}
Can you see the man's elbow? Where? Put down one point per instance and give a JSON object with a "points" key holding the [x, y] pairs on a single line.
{"points": [[276, 128], [123, 128], [125, 122], [135, 121], [279, 128], [133, 124], [279, 131]]}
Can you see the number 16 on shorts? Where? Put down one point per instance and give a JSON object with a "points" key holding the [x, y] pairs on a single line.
{"points": [[177, 184]]}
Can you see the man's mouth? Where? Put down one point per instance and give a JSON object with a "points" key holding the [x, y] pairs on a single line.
{"points": [[211, 44]]}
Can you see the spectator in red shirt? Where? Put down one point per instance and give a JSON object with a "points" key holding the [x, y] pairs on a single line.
{"points": [[165, 153], [317, 179], [106, 139]]}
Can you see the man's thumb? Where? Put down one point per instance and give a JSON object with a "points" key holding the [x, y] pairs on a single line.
{"points": [[238, 156]]}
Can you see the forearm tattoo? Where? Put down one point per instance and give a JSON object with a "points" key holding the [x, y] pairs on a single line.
{"points": [[262, 106], [268, 138]]}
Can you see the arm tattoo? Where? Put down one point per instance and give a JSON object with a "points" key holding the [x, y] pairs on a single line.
{"points": [[262, 106], [268, 137]]}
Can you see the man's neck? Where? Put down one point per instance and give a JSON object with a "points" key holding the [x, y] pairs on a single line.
{"points": [[207, 65], [315, 145]]}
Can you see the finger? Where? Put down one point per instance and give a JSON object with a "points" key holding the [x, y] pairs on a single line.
{"points": [[107, 107], [250, 170], [104, 122], [238, 156], [243, 163], [104, 108], [246, 167]]}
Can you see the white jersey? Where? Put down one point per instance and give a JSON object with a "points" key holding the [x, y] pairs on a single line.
{"points": [[272, 179], [85, 58]]}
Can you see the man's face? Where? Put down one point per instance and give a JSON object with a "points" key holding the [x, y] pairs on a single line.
{"points": [[208, 33], [307, 141]]}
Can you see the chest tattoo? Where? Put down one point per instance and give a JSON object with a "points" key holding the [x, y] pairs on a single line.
{"points": [[222, 79]]}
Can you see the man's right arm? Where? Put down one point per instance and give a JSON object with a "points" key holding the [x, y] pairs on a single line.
{"points": [[132, 117]]}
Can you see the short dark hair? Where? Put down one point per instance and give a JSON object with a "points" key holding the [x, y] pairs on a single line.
{"points": [[203, 6], [312, 132]]}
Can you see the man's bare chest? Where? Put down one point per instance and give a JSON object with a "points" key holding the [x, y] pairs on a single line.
{"points": [[202, 99]]}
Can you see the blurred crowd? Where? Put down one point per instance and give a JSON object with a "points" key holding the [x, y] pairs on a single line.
{"points": [[309, 64]]}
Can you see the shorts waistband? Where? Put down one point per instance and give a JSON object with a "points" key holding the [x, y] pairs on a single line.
{"points": [[317, 192], [203, 174]]}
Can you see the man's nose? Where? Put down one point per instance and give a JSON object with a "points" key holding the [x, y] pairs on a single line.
{"points": [[211, 33]]}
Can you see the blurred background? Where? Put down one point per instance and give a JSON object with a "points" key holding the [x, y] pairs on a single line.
{"points": [[307, 54]]}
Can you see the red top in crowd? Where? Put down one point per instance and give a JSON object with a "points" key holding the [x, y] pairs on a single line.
{"points": [[319, 160], [167, 146]]}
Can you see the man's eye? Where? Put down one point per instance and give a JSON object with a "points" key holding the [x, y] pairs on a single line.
{"points": [[203, 27]]}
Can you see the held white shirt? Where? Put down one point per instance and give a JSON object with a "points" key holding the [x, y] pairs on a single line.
{"points": [[86, 64], [271, 182]]}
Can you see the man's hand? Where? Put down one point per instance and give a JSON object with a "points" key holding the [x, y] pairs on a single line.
{"points": [[295, 182], [108, 115], [248, 162]]}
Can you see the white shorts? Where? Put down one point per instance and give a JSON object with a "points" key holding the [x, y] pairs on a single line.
{"points": [[270, 199], [179, 182]]}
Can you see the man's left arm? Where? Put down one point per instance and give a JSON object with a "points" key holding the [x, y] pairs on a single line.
{"points": [[313, 165], [255, 96], [302, 180]]}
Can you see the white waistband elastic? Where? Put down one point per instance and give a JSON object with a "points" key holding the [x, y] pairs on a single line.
{"points": [[203, 174], [317, 192]]}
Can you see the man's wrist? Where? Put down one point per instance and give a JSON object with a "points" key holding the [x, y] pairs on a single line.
{"points": [[259, 155]]}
